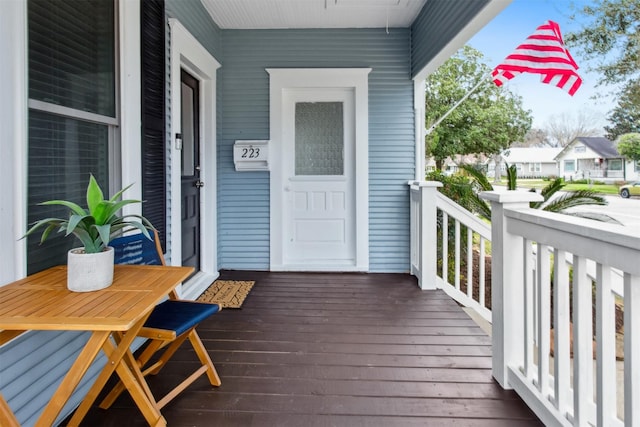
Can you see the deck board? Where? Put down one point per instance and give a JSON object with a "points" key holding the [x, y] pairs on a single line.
{"points": [[327, 349]]}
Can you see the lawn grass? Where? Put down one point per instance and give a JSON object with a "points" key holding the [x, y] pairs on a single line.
{"points": [[599, 188], [570, 186]]}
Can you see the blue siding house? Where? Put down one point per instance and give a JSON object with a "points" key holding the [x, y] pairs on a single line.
{"points": [[325, 97]]}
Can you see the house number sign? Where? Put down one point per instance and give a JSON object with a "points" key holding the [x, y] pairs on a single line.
{"points": [[251, 155]]}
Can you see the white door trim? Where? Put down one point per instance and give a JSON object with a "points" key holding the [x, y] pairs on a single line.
{"points": [[290, 78], [188, 53]]}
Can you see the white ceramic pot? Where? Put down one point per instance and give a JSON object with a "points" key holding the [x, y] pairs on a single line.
{"points": [[89, 272]]}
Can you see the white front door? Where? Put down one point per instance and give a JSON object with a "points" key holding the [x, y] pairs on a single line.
{"points": [[319, 178], [319, 169]]}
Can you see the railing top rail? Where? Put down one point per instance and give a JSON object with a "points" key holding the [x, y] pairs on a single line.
{"points": [[464, 216], [415, 185], [609, 244]]}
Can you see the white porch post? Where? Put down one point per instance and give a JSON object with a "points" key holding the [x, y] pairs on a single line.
{"points": [[507, 282], [419, 120], [424, 233]]}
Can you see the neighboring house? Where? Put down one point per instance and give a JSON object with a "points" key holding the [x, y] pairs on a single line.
{"points": [[451, 166], [591, 158], [157, 94], [531, 162], [631, 170]]}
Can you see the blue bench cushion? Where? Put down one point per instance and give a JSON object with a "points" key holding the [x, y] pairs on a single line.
{"points": [[179, 316]]}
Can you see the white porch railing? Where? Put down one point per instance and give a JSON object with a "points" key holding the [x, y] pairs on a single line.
{"points": [[530, 294], [462, 251]]}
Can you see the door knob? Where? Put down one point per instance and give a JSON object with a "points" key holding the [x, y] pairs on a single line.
{"points": [[199, 184]]}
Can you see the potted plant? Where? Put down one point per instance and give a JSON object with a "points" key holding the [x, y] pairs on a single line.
{"points": [[90, 267]]}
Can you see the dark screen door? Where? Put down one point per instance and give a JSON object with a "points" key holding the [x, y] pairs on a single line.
{"points": [[191, 183]]}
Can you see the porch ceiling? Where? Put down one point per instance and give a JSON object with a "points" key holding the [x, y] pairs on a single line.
{"points": [[263, 14]]}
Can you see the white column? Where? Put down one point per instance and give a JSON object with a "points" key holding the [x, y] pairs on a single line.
{"points": [[507, 282], [419, 120], [427, 234]]}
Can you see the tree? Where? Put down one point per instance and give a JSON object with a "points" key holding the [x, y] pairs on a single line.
{"points": [[626, 115], [534, 138], [609, 37], [485, 123], [629, 146], [565, 127]]}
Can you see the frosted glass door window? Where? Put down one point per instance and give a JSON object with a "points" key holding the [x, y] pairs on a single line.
{"points": [[319, 138]]}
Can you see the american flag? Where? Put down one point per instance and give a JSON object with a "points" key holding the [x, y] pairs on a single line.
{"points": [[542, 53]]}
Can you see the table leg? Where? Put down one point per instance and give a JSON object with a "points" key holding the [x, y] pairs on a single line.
{"points": [[7, 419], [73, 377], [132, 378], [119, 361]]}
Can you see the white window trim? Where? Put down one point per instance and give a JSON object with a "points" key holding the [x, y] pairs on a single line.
{"points": [[130, 102], [188, 53], [13, 122], [564, 165], [288, 78]]}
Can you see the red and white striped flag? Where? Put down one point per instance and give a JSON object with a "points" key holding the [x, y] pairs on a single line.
{"points": [[542, 53]]}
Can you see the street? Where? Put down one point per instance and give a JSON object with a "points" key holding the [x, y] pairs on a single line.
{"points": [[627, 211]]}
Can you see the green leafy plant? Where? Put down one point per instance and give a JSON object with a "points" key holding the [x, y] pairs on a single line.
{"points": [[96, 225], [512, 177], [560, 204]]}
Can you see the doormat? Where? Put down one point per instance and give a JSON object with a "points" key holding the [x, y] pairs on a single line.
{"points": [[227, 293]]}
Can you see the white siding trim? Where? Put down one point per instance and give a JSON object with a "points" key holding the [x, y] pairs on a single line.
{"points": [[13, 122], [287, 78], [188, 53], [130, 103]]}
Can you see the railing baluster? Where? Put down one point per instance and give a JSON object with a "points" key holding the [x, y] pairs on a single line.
{"points": [[457, 255], [445, 247], [544, 318], [582, 341], [631, 349], [561, 319], [606, 341], [469, 262], [529, 308], [481, 273]]}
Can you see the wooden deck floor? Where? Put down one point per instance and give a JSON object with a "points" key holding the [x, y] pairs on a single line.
{"points": [[337, 350]]}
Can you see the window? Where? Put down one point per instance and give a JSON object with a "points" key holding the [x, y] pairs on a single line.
{"points": [[637, 166], [614, 164], [580, 149], [535, 167], [569, 165], [319, 138], [72, 110]]}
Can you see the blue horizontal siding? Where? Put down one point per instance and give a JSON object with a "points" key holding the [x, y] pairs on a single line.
{"points": [[243, 197], [28, 379], [195, 18], [438, 22]]}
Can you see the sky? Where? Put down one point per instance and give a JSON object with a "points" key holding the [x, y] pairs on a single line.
{"points": [[510, 28]]}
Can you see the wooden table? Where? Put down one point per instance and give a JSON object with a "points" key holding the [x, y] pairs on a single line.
{"points": [[43, 302]]}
